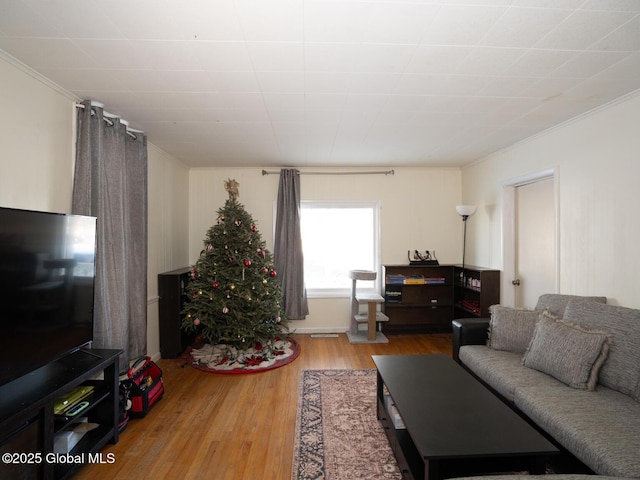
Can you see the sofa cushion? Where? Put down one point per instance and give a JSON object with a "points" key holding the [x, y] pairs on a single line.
{"points": [[601, 428], [551, 476], [570, 353], [511, 329], [502, 370], [621, 371], [557, 303]]}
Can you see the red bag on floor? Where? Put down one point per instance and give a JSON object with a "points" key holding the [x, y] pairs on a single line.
{"points": [[146, 384]]}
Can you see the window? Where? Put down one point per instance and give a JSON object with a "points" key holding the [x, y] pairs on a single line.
{"points": [[338, 237]]}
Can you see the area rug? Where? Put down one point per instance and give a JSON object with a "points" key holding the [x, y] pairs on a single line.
{"points": [[227, 359], [337, 435]]}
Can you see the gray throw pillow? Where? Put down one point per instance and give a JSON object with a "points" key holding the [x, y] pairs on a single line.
{"points": [[567, 352], [511, 329]]}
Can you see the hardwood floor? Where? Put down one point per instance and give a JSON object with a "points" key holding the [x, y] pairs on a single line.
{"points": [[211, 426]]}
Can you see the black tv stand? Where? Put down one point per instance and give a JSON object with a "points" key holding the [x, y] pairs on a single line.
{"points": [[28, 424], [88, 351]]}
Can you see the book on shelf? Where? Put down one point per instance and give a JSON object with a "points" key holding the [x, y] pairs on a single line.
{"points": [[435, 280], [393, 294], [471, 305], [395, 279], [414, 280]]}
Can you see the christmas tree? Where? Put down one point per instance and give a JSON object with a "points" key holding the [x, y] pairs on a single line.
{"points": [[234, 296]]}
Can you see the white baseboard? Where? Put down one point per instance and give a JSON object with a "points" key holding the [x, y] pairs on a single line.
{"points": [[321, 330]]}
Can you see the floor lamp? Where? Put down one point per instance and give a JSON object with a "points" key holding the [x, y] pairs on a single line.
{"points": [[465, 211]]}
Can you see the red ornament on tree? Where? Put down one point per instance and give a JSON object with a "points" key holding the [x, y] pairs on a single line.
{"points": [[216, 284], [247, 262], [272, 273], [254, 228]]}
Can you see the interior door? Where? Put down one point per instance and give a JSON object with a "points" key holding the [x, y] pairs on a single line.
{"points": [[535, 251]]}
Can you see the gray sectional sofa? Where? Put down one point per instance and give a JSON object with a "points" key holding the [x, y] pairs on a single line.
{"points": [[572, 367]]}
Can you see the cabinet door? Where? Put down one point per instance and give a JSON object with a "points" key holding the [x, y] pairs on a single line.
{"points": [[23, 435]]}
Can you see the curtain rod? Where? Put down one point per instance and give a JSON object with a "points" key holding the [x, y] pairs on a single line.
{"points": [[386, 172], [106, 116]]}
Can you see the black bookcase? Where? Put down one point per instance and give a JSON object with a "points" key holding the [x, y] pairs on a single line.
{"points": [[172, 292], [426, 298], [476, 289], [425, 306]]}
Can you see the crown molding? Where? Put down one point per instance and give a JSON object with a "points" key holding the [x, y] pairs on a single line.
{"points": [[37, 76]]}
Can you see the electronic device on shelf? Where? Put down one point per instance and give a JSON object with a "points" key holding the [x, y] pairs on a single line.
{"points": [[63, 405], [426, 258], [47, 276]]}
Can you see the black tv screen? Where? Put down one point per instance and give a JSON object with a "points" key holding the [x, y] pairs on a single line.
{"points": [[47, 276]]}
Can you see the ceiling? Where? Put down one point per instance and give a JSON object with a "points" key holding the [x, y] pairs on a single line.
{"points": [[332, 83]]}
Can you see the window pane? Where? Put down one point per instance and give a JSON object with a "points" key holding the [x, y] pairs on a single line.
{"points": [[336, 239]]}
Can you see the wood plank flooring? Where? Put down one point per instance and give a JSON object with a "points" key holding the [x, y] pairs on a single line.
{"points": [[225, 427]]}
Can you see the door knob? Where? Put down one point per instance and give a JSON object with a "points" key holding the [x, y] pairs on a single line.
{"points": [[515, 282]]}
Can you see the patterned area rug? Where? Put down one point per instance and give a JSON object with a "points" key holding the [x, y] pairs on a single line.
{"points": [[227, 359], [338, 436]]}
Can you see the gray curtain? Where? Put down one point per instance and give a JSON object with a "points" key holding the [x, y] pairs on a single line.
{"points": [[110, 183], [287, 253]]}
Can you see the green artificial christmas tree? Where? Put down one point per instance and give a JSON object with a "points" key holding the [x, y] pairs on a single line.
{"points": [[234, 296]]}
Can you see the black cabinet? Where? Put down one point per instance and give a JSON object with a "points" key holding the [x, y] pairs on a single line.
{"points": [[418, 298], [172, 292], [29, 427], [476, 289], [426, 298]]}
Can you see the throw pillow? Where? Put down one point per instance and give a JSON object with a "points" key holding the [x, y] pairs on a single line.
{"points": [[567, 352], [511, 329]]}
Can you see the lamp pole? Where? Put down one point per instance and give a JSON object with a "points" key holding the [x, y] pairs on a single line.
{"points": [[465, 211], [464, 243]]}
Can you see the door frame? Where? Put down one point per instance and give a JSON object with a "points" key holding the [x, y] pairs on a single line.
{"points": [[507, 295]]}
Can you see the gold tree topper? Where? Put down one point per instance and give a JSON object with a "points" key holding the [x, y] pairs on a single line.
{"points": [[231, 186]]}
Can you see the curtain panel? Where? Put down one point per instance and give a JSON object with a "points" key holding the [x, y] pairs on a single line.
{"points": [[110, 183], [287, 253]]}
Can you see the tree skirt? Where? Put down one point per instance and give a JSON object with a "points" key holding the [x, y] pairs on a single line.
{"points": [[227, 359]]}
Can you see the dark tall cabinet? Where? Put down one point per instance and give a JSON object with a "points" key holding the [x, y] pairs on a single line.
{"points": [[172, 292]]}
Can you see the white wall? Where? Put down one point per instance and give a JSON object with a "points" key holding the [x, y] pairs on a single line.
{"points": [[598, 161], [418, 212], [168, 183], [37, 151], [37, 138]]}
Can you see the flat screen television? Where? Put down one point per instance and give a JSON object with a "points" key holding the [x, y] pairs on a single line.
{"points": [[47, 277]]}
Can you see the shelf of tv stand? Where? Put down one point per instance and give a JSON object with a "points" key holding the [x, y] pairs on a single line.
{"points": [[28, 423]]}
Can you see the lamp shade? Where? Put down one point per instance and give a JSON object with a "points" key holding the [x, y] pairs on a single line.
{"points": [[466, 210]]}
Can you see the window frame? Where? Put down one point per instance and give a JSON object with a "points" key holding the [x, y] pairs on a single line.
{"points": [[375, 207]]}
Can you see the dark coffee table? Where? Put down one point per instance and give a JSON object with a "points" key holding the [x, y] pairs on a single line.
{"points": [[453, 425]]}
